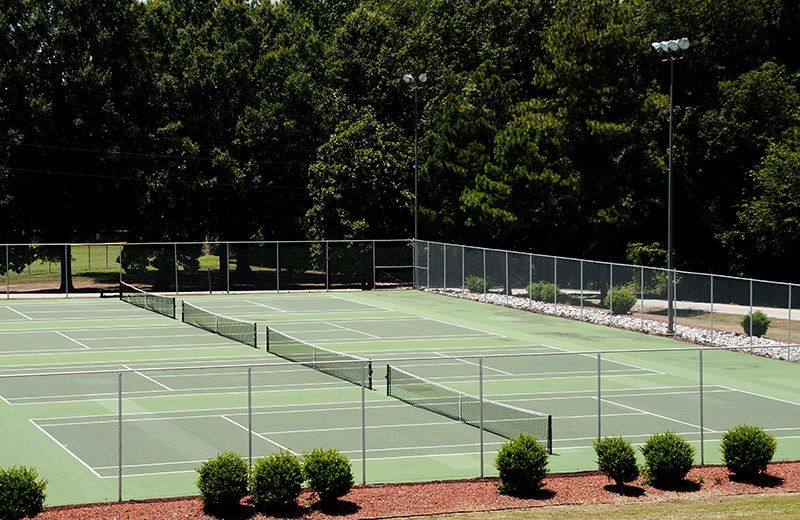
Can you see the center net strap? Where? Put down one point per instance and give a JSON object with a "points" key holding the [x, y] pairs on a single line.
{"points": [[238, 330], [337, 364], [501, 419]]}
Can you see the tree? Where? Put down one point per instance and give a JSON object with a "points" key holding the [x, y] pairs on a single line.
{"points": [[360, 184]]}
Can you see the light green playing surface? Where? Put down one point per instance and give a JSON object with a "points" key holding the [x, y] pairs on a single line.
{"points": [[66, 425]]}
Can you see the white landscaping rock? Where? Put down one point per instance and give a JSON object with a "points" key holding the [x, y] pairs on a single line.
{"points": [[716, 338]]}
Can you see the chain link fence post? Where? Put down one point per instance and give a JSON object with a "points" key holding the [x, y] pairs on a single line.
{"points": [[363, 424], [175, 257], [480, 393], [702, 415], [713, 338], [228, 267], [485, 298], [277, 267], [250, 417], [641, 299], [599, 398], [119, 436]]}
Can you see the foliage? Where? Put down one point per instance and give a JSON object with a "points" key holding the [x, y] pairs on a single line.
{"points": [[616, 458], [474, 283], [546, 292], [22, 493], [746, 450], [223, 481], [760, 323], [522, 464], [621, 298], [276, 480], [328, 473], [668, 458]]}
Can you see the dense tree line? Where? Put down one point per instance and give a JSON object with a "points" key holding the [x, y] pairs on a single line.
{"points": [[543, 125]]}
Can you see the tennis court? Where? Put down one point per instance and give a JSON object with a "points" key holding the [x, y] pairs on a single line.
{"points": [[188, 394]]}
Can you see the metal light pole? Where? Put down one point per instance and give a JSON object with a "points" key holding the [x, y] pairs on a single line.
{"points": [[411, 80], [670, 50]]}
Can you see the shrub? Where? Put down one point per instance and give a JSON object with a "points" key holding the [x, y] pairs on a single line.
{"points": [[622, 298], [474, 284], [522, 463], [546, 292], [746, 450], [223, 481], [616, 458], [276, 480], [760, 323], [328, 472], [668, 458], [21, 494]]}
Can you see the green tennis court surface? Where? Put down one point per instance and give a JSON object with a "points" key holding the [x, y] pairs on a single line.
{"points": [[185, 390]]}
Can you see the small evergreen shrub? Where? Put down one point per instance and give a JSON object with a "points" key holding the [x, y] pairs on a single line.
{"points": [[746, 450], [328, 473], [522, 463], [760, 323], [616, 458], [21, 493], [622, 298], [276, 480], [668, 458], [474, 284], [546, 292], [223, 481]]}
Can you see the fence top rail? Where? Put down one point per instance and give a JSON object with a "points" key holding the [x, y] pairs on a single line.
{"points": [[203, 242], [610, 264], [407, 358]]}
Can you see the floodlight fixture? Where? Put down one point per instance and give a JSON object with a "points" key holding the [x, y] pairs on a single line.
{"points": [[671, 49], [423, 78], [408, 78]]}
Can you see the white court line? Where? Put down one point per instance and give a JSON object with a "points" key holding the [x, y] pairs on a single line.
{"points": [[161, 348], [64, 447], [73, 340], [21, 314], [590, 356], [362, 303], [264, 305], [371, 427], [657, 415], [260, 436], [147, 377], [472, 363], [758, 395], [488, 333], [353, 330], [440, 337]]}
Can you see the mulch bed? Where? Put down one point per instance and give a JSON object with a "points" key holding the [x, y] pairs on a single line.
{"points": [[399, 500]]}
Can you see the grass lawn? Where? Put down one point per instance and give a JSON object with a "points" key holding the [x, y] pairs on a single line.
{"points": [[752, 507]]}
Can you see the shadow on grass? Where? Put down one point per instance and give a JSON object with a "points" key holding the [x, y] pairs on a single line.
{"points": [[624, 490], [763, 480]]}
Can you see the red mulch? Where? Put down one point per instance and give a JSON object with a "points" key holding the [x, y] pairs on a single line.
{"points": [[398, 500]]}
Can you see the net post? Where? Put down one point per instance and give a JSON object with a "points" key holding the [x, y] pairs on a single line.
{"points": [[175, 256], [119, 436], [599, 396], [255, 335], [363, 426], [480, 390], [388, 379], [702, 428], [550, 434], [174, 313], [250, 417]]}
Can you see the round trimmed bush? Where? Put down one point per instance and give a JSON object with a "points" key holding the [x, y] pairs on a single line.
{"points": [[223, 481], [328, 473], [616, 458], [546, 292], [474, 284], [276, 480], [760, 323], [21, 493], [622, 298], [668, 458], [746, 450], [522, 464]]}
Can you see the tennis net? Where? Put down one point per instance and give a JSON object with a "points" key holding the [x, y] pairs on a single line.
{"points": [[337, 364], [238, 330], [498, 418], [164, 305]]}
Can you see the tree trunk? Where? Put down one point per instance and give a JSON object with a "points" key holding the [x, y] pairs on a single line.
{"points": [[66, 270]]}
